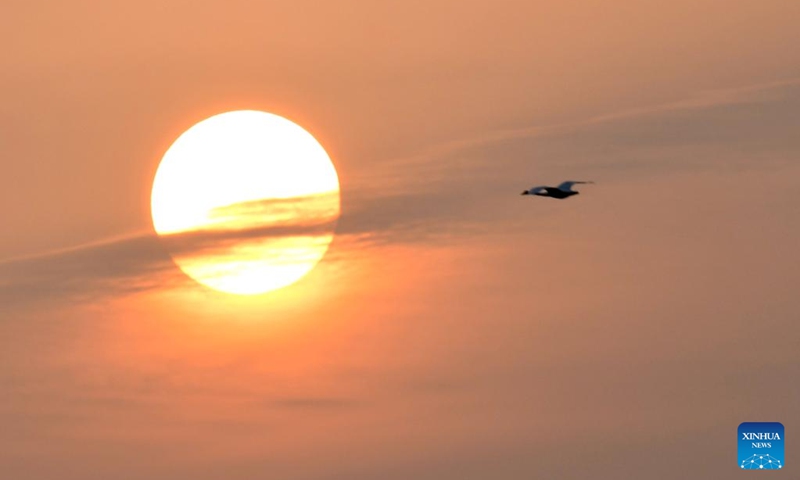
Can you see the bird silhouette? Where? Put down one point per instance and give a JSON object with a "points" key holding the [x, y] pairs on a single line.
{"points": [[560, 192]]}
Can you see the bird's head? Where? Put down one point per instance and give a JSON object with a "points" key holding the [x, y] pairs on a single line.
{"points": [[525, 193]]}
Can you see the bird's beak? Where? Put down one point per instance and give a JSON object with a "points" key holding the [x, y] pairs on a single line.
{"points": [[525, 193]]}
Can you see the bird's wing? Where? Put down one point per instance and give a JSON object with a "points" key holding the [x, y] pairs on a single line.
{"points": [[567, 186], [535, 190]]}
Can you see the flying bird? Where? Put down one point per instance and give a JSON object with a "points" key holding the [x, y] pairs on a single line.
{"points": [[560, 192]]}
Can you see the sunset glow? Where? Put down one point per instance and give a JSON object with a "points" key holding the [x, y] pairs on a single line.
{"points": [[286, 240]]}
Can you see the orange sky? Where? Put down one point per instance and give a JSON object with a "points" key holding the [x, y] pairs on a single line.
{"points": [[455, 329]]}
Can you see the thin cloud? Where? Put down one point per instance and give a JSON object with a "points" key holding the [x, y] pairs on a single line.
{"points": [[425, 168], [119, 267], [305, 210], [142, 262], [436, 204]]}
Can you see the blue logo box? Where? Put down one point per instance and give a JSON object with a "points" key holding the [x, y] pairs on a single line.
{"points": [[761, 446]]}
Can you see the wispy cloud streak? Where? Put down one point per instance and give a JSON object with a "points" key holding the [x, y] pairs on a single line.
{"points": [[441, 203]]}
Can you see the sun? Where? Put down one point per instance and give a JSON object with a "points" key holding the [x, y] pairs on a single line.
{"points": [[246, 202]]}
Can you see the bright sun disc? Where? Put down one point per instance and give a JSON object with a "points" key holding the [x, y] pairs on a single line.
{"points": [[246, 202]]}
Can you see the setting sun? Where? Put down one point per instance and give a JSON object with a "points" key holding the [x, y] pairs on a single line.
{"points": [[246, 202]]}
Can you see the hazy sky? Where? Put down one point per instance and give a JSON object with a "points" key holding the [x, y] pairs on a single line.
{"points": [[455, 330]]}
